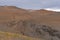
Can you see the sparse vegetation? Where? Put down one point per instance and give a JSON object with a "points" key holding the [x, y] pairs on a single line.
{"points": [[14, 36]]}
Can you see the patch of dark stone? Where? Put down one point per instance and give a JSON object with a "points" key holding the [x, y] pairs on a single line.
{"points": [[33, 29]]}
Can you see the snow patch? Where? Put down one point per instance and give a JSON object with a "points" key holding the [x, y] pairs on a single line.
{"points": [[57, 10]]}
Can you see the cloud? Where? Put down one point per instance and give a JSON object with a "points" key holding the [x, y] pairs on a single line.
{"points": [[32, 4]]}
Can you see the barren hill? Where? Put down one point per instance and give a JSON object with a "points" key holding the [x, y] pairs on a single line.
{"points": [[41, 24]]}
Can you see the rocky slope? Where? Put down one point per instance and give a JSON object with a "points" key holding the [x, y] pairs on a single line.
{"points": [[41, 24]]}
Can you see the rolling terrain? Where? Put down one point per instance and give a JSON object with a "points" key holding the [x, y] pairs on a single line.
{"points": [[22, 24]]}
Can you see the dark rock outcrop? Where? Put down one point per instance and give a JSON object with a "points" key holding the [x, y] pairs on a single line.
{"points": [[32, 29]]}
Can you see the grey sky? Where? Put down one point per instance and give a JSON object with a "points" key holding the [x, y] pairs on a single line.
{"points": [[32, 4]]}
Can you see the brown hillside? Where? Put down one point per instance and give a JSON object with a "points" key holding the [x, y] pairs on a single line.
{"points": [[33, 23]]}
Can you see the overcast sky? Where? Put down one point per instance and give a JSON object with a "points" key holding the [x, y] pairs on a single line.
{"points": [[32, 4]]}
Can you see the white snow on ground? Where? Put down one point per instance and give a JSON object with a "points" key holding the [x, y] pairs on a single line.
{"points": [[57, 10]]}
